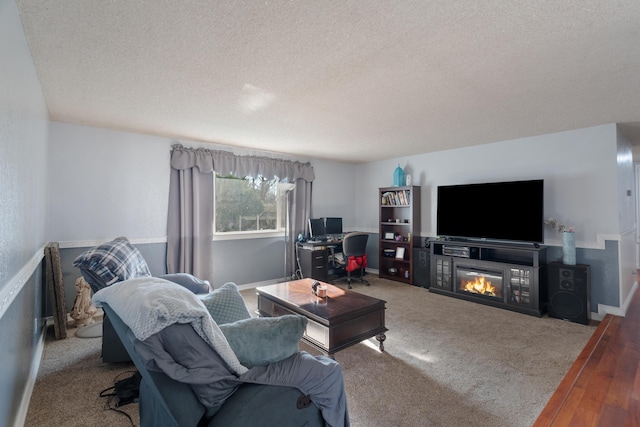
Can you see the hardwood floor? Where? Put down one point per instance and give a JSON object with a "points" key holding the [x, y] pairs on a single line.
{"points": [[602, 388]]}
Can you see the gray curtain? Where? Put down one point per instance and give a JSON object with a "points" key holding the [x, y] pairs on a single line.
{"points": [[191, 207], [190, 218]]}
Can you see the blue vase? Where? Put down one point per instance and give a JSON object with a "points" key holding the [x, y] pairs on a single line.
{"points": [[398, 177], [568, 248]]}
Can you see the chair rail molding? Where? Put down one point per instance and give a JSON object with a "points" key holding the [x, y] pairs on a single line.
{"points": [[9, 292], [92, 243]]}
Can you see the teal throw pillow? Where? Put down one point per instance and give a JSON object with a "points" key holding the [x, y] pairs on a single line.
{"points": [[262, 340], [226, 304]]}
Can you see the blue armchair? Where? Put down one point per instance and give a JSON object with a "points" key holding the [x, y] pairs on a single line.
{"points": [[165, 402]]}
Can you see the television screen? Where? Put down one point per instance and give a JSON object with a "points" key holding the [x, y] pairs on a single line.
{"points": [[493, 211], [316, 227], [333, 225]]}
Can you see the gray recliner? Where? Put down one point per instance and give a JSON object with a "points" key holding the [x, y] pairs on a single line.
{"points": [[165, 402]]}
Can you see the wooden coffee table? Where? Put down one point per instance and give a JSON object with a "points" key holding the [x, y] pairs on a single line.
{"points": [[340, 320]]}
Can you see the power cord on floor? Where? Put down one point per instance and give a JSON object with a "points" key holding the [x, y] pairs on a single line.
{"points": [[114, 394]]}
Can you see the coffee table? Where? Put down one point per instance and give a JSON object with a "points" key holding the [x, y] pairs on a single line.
{"points": [[340, 320]]}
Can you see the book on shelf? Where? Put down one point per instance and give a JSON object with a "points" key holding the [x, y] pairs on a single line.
{"points": [[396, 198]]}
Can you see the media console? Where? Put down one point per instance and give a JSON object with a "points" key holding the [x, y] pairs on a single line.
{"points": [[508, 276]]}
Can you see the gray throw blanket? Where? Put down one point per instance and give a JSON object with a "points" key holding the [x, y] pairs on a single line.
{"points": [[147, 305]]}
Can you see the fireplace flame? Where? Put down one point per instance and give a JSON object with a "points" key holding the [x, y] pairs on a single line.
{"points": [[480, 286]]}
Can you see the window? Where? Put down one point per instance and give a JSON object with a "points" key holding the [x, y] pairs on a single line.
{"points": [[248, 205]]}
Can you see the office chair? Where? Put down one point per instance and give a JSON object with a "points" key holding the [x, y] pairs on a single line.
{"points": [[354, 249]]}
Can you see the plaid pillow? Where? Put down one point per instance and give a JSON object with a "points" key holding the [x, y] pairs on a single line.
{"points": [[113, 262]]}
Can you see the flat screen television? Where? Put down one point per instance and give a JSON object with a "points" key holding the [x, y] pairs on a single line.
{"points": [[510, 211]]}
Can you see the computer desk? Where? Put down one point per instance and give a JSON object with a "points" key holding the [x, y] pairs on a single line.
{"points": [[313, 257]]}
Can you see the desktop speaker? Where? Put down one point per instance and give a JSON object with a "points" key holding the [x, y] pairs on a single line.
{"points": [[421, 267], [569, 292]]}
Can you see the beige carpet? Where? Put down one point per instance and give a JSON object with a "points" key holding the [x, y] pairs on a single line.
{"points": [[69, 382], [447, 362]]}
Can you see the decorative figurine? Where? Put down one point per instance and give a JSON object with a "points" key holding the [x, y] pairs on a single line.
{"points": [[83, 309]]}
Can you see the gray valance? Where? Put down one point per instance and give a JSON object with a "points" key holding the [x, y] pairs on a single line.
{"points": [[225, 163]]}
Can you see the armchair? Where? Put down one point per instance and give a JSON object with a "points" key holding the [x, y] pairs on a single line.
{"points": [[165, 402], [114, 262]]}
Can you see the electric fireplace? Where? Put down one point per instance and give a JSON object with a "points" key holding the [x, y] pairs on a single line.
{"points": [[507, 287], [504, 276], [480, 282]]}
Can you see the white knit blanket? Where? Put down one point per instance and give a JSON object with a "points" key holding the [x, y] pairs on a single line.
{"points": [[149, 304]]}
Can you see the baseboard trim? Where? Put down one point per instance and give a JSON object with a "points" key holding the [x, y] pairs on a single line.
{"points": [[621, 311]]}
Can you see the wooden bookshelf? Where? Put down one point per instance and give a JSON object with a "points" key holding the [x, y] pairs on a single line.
{"points": [[399, 225]]}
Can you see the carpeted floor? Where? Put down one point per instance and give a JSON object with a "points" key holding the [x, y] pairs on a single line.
{"points": [[69, 382], [447, 362]]}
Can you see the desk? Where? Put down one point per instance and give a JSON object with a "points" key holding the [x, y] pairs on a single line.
{"points": [[314, 258]]}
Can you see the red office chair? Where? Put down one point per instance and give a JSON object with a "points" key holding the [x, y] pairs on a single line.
{"points": [[354, 249]]}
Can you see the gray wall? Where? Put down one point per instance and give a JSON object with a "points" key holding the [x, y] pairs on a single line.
{"points": [[241, 261], [23, 198]]}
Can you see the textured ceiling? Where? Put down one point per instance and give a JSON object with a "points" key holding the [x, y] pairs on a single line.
{"points": [[346, 80]]}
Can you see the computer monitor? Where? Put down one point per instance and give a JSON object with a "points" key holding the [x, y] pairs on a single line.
{"points": [[333, 225], [316, 227]]}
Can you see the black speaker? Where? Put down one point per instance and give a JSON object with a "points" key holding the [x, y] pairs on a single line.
{"points": [[569, 292], [421, 266]]}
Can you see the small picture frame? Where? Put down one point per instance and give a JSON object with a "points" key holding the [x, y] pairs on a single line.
{"points": [[400, 253], [388, 236]]}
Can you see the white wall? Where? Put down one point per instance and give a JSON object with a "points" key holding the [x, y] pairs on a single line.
{"points": [[333, 192], [23, 204], [579, 169], [23, 147], [107, 183]]}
